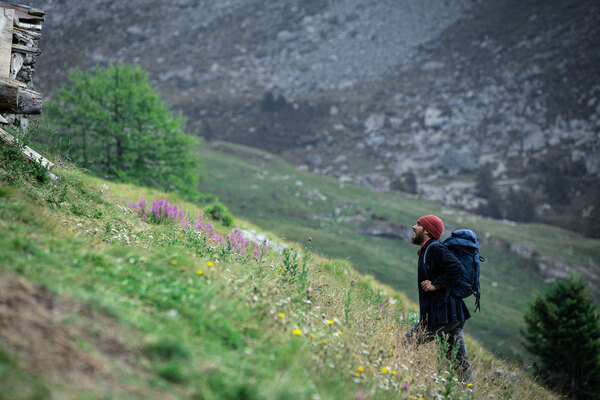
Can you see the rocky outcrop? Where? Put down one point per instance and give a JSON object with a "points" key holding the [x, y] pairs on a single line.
{"points": [[437, 88]]}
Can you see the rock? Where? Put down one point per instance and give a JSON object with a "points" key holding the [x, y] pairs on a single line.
{"points": [[314, 160], [375, 140], [432, 66], [455, 161], [339, 159], [135, 34], [434, 118], [374, 122]]}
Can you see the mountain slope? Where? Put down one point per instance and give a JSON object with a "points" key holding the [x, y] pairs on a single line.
{"points": [[399, 87], [372, 230], [99, 301]]}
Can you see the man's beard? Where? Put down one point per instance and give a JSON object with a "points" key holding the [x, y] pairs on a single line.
{"points": [[418, 238]]}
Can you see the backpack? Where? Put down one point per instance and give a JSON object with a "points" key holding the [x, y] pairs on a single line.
{"points": [[464, 245]]}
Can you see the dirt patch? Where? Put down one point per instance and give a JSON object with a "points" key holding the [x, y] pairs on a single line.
{"points": [[64, 341]]}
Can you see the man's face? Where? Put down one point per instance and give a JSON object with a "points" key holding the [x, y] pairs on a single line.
{"points": [[419, 235]]}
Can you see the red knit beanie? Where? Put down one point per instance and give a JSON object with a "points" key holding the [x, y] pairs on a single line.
{"points": [[432, 224]]}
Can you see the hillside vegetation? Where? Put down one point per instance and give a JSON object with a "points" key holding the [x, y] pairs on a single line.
{"points": [[372, 230], [98, 300]]}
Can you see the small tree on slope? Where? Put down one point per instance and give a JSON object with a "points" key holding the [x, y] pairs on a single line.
{"points": [[112, 122], [563, 332]]}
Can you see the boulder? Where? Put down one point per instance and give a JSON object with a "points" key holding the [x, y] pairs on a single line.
{"points": [[374, 122]]}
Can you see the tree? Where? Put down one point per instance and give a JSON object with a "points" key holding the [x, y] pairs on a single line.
{"points": [[520, 206], [563, 332], [112, 122], [484, 182]]}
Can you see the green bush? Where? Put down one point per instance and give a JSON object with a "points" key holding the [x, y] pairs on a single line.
{"points": [[219, 212]]}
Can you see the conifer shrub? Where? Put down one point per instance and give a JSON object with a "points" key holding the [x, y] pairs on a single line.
{"points": [[563, 333]]}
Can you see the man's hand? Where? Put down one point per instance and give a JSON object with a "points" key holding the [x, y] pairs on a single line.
{"points": [[427, 286]]}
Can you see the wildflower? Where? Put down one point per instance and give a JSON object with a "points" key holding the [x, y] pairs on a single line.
{"points": [[328, 294], [69, 230], [200, 272], [174, 262], [385, 370], [297, 332], [393, 372], [210, 264], [312, 335], [281, 315], [421, 398], [330, 322], [361, 368], [324, 341], [357, 374], [405, 386], [340, 333], [469, 384]]}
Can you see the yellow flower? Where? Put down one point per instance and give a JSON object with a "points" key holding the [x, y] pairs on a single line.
{"points": [[324, 341], [281, 315], [200, 272], [312, 335], [421, 398], [469, 384], [174, 262], [297, 332], [70, 230], [210, 264], [330, 322], [393, 372], [357, 374], [361, 368], [340, 333], [385, 370], [328, 294]]}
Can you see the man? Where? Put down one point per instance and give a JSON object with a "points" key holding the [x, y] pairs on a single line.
{"points": [[441, 314]]}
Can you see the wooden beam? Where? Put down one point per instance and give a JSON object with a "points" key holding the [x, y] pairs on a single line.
{"points": [[25, 13], [25, 49], [32, 155], [19, 100], [6, 34]]}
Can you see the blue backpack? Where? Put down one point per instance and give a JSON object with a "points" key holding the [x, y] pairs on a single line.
{"points": [[464, 245]]}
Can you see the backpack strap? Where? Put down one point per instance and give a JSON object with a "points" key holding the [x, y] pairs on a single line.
{"points": [[425, 267]]}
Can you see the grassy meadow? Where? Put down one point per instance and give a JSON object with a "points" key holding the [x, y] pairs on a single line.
{"points": [[296, 205], [99, 300]]}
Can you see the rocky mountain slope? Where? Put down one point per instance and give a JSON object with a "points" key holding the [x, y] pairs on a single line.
{"points": [[416, 96]]}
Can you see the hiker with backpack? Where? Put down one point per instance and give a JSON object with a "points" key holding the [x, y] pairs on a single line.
{"points": [[441, 278]]}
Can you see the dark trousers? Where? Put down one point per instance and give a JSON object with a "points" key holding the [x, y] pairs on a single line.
{"points": [[453, 331]]}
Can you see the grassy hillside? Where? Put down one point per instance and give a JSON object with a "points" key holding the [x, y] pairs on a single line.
{"points": [[296, 205], [99, 301]]}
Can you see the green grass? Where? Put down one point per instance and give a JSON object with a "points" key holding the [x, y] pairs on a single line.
{"points": [[266, 190], [144, 308]]}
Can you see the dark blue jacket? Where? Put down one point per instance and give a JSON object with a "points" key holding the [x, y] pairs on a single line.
{"points": [[442, 268]]}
